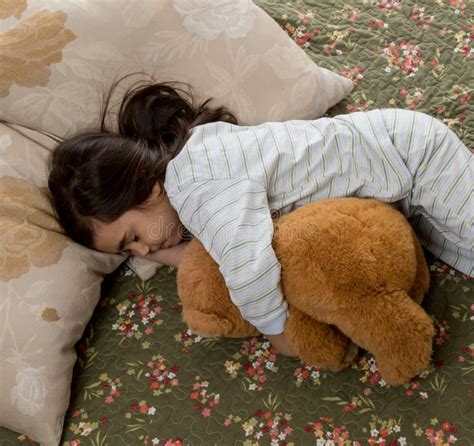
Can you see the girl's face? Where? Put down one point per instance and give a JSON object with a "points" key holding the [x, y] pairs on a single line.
{"points": [[140, 232]]}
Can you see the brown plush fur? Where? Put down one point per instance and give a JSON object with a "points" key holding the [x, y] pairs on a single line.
{"points": [[351, 270]]}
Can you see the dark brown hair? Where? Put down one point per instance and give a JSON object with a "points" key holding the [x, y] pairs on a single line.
{"points": [[103, 174]]}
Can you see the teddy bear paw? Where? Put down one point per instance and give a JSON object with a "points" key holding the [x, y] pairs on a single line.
{"points": [[409, 362], [398, 376]]}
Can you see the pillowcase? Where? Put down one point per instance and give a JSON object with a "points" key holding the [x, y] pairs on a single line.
{"points": [[49, 287], [59, 58]]}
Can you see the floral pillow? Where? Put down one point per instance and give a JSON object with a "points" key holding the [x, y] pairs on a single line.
{"points": [[59, 59], [49, 287]]}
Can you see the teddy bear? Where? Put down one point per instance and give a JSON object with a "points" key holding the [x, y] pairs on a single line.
{"points": [[353, 274]]}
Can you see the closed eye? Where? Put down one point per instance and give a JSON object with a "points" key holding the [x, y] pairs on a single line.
{"points": [[127, 251]]}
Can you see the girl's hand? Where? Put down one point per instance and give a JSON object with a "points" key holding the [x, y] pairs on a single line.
{"points": [[280, 342], [170, 256]]}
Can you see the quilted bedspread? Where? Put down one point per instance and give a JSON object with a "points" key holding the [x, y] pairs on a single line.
{"points": [[143, 378]]}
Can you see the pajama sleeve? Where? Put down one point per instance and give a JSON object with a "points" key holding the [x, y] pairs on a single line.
{"points": [[231, 218]]}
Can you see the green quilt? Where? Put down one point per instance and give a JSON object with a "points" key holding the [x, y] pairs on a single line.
{"points": [[143, 379]]}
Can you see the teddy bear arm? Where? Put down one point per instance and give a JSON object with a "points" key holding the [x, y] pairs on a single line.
{"points": [[390, 325]]}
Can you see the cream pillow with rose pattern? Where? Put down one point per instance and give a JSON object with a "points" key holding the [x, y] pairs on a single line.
{"points": [[49, 287], [59, 57]]}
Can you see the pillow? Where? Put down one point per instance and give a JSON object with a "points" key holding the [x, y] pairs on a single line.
{"points": [[59, 57], [49, 287]]}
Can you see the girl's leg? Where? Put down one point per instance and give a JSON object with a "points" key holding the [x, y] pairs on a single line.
{"points": [[441, 204]]}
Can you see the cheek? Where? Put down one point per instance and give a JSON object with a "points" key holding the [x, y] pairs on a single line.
{"points": [[162, 225], [159, 229], [171, 228], [175, 217], [153, 231]]}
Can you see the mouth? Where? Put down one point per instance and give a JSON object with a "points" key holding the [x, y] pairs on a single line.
{"points": [[154, 249], [161, 246]]}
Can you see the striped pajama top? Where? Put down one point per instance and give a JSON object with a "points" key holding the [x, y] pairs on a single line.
{"points": [[228, 182]]}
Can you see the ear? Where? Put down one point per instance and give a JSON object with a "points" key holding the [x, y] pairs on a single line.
{"points": [[158, 192], [157, 189]]}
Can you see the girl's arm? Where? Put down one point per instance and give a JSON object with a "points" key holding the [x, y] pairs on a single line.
{"points": [[232, 219], [173, 256]]}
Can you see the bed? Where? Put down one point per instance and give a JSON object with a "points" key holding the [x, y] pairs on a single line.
{"points": [[142, 378]]}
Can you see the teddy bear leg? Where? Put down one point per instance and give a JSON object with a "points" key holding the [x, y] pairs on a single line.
{"points": [[391, 326], [212, 324], [422, 279], [318, 344], [203, 324]]}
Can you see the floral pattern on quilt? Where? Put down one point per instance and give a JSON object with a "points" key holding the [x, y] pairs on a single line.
{"points": [[143, 378]]}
